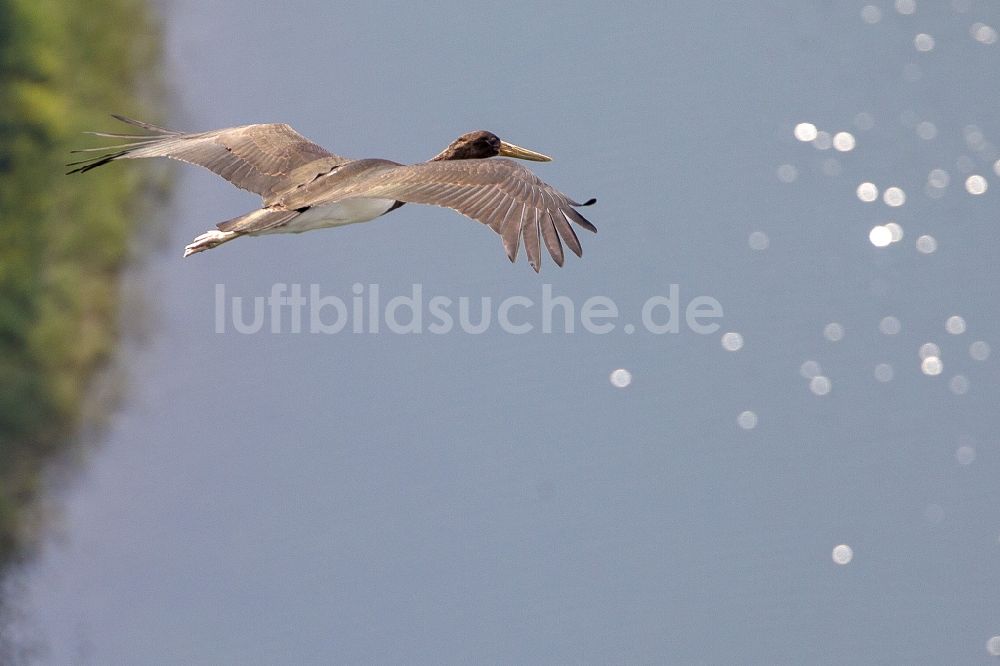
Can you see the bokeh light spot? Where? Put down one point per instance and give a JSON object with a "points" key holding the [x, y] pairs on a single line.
{"points": [[810, 369], [932, 366], [805, 132], [842, 554], [867, 192], [883, 372], [923, 42], [965, 455], [928, 349], [820, 385], [959, 385], [894, 196], [926, 130], [732, 341], [880, 236], [871, 14], [620, 378], [759, 241], [983, 33], [938, 178], [747, 420], [973, 136], [979, 350], [955, 325], [787, 173], [890, 325], [843, 141], [895, 230], [833, 332], [975, 184]]}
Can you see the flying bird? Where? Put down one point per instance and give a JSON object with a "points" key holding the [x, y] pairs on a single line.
{"points": [[306, 187]]}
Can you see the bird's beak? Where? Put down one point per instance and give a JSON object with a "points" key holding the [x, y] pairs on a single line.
{"points": [[510, 150]]}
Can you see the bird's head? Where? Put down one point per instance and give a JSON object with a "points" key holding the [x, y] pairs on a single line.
{"points": [[482, 144]]}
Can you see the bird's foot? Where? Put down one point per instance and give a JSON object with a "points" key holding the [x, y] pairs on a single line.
{"points": [[208, 240]]}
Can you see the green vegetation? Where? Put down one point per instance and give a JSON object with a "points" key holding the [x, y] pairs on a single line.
{"points": [[64, 64]]}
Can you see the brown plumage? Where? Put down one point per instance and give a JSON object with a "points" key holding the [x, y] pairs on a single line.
{"points": [[306, 187]]}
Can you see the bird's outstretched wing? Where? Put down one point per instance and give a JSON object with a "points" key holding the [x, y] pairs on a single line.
{"points": [[500, 193], [267, 159]]}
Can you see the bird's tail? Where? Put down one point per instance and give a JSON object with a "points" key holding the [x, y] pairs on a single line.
{"points": [[259, 221]]}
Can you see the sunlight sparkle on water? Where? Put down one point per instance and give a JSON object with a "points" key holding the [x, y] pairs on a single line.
{"points": [[926, 244], [820, 385], [833, 332], [894, 196], [810, 369], [959, 385], [880, 236], [843, 141], [896, 230], [938, 178], [955, 325], [979, 350], [871, 14], [932, 366], [890, 325], [787, 173], [906, 7], [975, 184], [883, 372], [842, 554], [983, 33], [758, 240], [805, 132], [620, 378], [923, 42], [747, 420], [993, 646], [973, 136], [928, 349], [732, 341], [926, 130], [996, 167], [965, 455], [867, 192]]}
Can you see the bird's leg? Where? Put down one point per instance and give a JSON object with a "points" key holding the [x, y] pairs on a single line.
{"points": [[208, 240]]}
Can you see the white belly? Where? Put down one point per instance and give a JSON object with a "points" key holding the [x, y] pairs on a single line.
{"points": [[349, 211]]}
